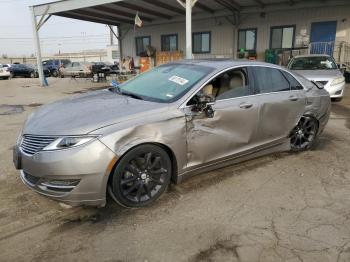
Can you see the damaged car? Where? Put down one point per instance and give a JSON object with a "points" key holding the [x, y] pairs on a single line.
{"points": [[174, 121]]}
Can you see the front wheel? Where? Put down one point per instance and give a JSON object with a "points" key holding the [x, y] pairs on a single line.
{"points": [[32, 75], [54, 73], [304, 134], [141, 176]]}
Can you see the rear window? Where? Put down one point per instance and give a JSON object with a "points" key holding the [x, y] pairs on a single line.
{"points": [[294, 84]]}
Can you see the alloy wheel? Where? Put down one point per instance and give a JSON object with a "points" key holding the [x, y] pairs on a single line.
{"points": [[142, 176], [304, 134]]}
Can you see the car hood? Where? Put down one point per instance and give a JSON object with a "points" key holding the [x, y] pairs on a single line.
{"points": [[85, 113], [319, 74]]}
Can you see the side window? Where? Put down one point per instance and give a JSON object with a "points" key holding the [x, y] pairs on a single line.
{"points": [[75, 64], [230, 84], [270, 80], [294, 84]]}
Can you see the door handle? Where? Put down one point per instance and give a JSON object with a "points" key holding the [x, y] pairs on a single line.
{"points": [[293, 98], [245, 105]]}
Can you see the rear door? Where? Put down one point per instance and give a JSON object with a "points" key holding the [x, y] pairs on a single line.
{"points": [[282, 103]]}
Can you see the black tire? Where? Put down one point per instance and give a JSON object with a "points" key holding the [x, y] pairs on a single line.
{"points": [[304, 134], [141, 176], [54, 73], [32, 75]]}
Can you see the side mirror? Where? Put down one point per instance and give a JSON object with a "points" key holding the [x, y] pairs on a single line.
{"points": [[203, 103]]}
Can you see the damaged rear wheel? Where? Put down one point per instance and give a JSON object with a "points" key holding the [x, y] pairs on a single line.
{"points": [[304, 134], [141, 176]]}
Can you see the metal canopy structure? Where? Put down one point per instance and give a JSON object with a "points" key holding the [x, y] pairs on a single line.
{"points": [[122, 13]]}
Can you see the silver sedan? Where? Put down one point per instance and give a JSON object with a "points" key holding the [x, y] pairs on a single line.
{"points": [[174, 121], [323, 70]]}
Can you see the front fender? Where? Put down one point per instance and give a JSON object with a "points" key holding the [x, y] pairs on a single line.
{"points": [[170, 132]]}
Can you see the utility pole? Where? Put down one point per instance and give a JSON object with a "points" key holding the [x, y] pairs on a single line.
{"points": [[37, 47]]}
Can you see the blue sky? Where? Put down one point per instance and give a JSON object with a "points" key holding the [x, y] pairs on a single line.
{"points": [[64, 34]]}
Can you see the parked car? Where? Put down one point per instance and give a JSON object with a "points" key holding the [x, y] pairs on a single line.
{"points": [[80, 69], [173, 121], [23, 70], [321, 69], [54, 65], [4, 71], [104, 67]]}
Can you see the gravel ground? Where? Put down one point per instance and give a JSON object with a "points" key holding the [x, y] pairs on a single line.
{"points": [[282, 207]]}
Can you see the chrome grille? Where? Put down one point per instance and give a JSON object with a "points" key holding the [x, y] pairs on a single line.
{"points": [[32, 144]]}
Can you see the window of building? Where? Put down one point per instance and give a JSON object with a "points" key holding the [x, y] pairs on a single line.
{"points": [[270, 80], [201, 42], [247, 39], [282, 37], [169, 42], [141, 44]]}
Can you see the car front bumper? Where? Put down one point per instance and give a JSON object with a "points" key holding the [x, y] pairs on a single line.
{"points": [[76, 176], [336, 91], [5, 74]]}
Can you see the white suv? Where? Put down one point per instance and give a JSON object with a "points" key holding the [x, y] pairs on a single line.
{"points": [[5, 71]]}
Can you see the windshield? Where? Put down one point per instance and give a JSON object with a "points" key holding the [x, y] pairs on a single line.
{"points": [[312, 63], [166, 83]]}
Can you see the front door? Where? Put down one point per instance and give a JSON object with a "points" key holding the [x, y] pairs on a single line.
{"points": [[233, 127], [283, 103], [323, 37]]}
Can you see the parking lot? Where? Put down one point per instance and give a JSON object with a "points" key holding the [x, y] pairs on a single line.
{"points": [[282, 207]]}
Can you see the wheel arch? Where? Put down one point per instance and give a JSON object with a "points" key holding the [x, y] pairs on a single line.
{"points": [[167, 149]]}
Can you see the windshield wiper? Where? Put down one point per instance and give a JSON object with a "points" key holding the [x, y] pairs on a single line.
{"points": [[119, 91], [131, 95]]}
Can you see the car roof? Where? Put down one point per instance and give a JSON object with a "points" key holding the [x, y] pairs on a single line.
{"points": [[224, 63]]}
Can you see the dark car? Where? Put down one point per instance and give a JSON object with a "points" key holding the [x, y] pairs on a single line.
{"points": [[25, 70], [54, 65], [22, 70], [104, 67]]}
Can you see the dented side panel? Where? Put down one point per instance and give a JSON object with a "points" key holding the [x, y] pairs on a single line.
{"points": [[167, 129], [279, 114], [231, 131]]}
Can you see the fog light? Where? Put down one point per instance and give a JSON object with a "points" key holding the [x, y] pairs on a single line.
{"points": [[56, 184]]}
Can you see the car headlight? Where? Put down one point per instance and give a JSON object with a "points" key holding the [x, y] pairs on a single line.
{"points": [[338, 81], [69, 141]]}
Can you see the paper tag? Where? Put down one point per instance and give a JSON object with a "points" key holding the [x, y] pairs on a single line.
{"points": [[178, 80]]}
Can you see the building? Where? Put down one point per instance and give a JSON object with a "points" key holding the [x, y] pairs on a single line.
{"points": [[293, 27], [217, 28]]}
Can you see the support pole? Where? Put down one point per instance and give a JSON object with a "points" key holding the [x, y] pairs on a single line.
{"points": [[188, 29], [37, 47], [120, 45], [111, 35]]}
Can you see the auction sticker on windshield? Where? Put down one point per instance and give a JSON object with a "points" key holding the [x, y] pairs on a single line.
{"points": [[178, 80]]}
